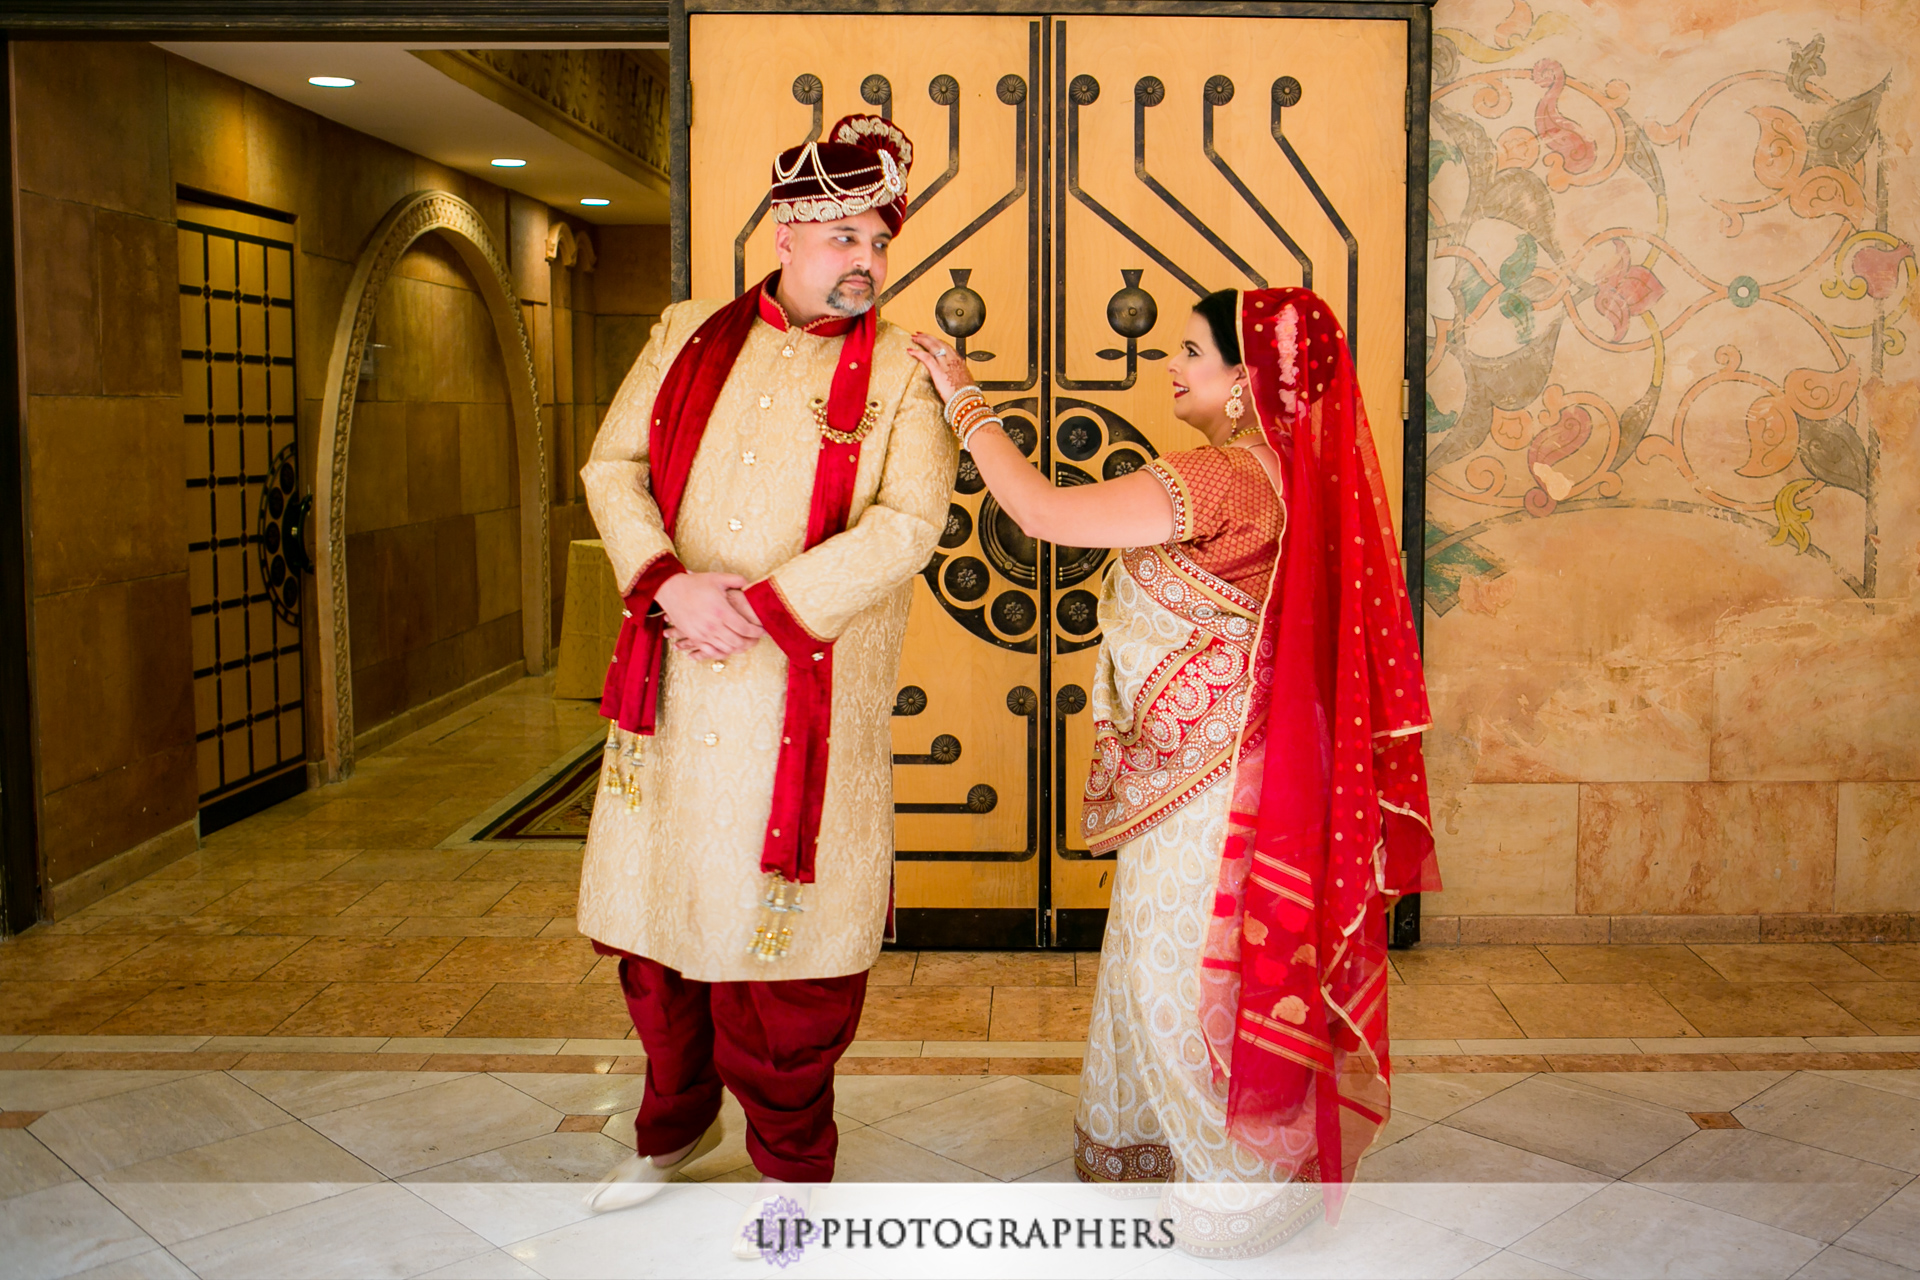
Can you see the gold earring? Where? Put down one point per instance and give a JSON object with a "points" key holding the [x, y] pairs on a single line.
{"points": [[1235, 405]]}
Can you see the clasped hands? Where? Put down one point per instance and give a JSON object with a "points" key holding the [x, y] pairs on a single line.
{"points": [[708, 617]]}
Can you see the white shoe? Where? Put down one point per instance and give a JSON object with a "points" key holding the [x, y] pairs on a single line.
{"points": [[746, 1245], [637, 1179]]}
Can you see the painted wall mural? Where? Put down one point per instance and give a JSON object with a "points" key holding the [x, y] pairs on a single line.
{"points": [[1671, 465]]}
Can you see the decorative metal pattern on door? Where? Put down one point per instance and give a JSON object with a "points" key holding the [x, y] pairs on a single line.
{"points": [[246, 554], [1079, 181]]}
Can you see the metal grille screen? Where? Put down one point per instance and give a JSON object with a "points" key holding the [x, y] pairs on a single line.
{"points": [[242, 467]]}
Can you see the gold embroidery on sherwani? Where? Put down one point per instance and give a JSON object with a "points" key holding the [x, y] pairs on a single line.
{"points": [[677, 878]]}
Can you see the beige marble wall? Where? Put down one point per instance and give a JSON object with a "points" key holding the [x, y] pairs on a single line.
{"points": [[1674, 472]]}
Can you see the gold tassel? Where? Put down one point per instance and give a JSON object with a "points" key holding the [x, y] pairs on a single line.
{"points": [[624, 762], [779, 902]]}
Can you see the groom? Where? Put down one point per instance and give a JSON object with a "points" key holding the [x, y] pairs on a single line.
{"points": [[770, 477]]}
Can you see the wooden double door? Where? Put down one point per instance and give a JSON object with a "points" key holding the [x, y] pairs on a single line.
{"points": [[1078, 181]]}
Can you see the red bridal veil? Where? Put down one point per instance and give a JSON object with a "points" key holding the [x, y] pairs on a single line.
{"points": [[1329, 818]]}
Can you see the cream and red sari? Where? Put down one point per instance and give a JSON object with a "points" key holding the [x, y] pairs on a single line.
{"points": [[1257, 703]]}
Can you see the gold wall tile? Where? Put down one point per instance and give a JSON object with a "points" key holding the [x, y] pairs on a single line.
{"points": [[1876, 867], [91, 124], [1706, 848], [1506, 849]]}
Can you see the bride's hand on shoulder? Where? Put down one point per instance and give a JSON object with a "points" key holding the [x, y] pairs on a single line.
{"points": [[949, 371]]}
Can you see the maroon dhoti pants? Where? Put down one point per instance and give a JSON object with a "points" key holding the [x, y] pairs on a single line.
{"points": [[773, 1044]]}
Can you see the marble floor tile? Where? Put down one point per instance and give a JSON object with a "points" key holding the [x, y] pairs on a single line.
{"points": [[27, 1166], [163, 897], [430, 1126], [1086, 968], [51, 1090], [1473, 964], [423, 897], [868, 1154], [1802, 1189], [547, 1159], [212, 1008], [1897, 960], [304, 1094], [322, 926], [1373, 1242], [1468, 1183], [1628, 962], [1590, 1009], [1686, 1090], [1471, 1185], [1446, 1012], [383, 865], [1040, 1013], [384, 1009], [1061, 1172], [1556, 1117], [62, 1229], [1905, 1083], [926, 1013], [585, 1010], [579, 1095], [505, 1212], [553, 866], [1437, 1095], [223, 1184], [468, 927], [543, 898], [279, 898], [1890, 1233], [1782, 962], [127, 1128], [381, 1230], [516, 960], [1890, 1008], [729, 1157], [1867, 1124], [1773, 1008], [1624, 1232], [257, 864], [497, 1265], [54, 956], [892, 969], [1507, 1265], [871, 1099], [1005, 1129], [1401, 1124], [339, 959], [1069, 1085], [70, 1008], [155, 1264], [994, 969], [1836, 1263]]}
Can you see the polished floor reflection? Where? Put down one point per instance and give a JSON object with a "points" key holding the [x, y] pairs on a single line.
{"points": [[435, 1173]]}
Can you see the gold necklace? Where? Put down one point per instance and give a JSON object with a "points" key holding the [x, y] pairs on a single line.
{"points": [[1241, 433]]}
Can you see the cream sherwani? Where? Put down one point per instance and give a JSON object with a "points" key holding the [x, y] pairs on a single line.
{"points": [[678, 879]]}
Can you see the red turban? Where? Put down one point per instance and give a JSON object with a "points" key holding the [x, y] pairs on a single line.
{"points": [[862, 164]]}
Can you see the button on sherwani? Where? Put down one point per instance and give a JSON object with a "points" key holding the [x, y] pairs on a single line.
{"points": [[676, 877]]}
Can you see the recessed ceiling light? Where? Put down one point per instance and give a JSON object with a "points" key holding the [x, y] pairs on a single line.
{"points": [[509, 164], [330, 82], [595, 201]]}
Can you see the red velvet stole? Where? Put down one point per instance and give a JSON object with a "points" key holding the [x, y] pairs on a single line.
{"points": [[681, 410]]}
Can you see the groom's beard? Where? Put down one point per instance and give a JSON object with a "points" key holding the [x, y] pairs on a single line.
{"points": [[846, 306]]}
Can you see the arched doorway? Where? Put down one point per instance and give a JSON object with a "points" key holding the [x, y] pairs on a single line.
{"points": [[459, 224]]}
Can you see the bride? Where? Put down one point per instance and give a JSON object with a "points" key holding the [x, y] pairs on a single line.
{"points": [[1257, 707]]}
